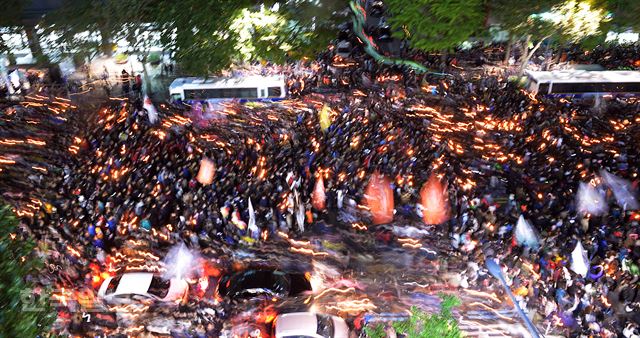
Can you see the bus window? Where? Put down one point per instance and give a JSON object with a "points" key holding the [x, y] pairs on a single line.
{"points": [[275, 91], [597, 87], [221, 93], [262, 93], [543, 88]]}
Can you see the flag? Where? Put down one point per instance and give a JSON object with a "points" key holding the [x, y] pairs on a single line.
{"points": [[151, 109], [435, 207], [621, 190], [579, 260], [591, 200], [224, 211], [379, 198], [526, 234], [299, 211], [318, 198], [206, 172], [237, 221], [324, 116], [255, 232]]}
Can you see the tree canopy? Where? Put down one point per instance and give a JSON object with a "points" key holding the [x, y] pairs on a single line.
{"points": [[443, 24], [205, 36], [436, 24]]}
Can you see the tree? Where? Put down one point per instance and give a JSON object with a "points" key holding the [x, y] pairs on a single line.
{"points": [[624, 14], [436, 25], [200, 43], [12, 20], [84, 27], [421, 324], [566, 22], [246, 30], [20, 315], [102, 21], [513, 16], [311, 25]]}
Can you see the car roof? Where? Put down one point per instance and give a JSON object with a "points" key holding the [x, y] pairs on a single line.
{"points": [[297, 324], [134, 283]]}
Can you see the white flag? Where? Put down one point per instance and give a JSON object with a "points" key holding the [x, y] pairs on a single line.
{"points": [[151, 109], [621, 190], [525, 234], [299, 211], [252, 221], [591, 200], [579, 260]]}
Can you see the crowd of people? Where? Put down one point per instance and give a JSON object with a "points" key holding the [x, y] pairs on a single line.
{"points": [[502, 153]]}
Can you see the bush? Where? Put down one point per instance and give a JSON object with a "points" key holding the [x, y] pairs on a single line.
{"points": [[425, 325], [23, 313], [121, 58]]}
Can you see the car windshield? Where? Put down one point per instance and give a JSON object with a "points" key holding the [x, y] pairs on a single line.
{"points": [[325, 326], [254, 280], [113, 284], [159, 287]]}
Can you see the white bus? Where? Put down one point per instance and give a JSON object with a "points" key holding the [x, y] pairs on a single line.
{"points": [[248, 88], [583, 82]]}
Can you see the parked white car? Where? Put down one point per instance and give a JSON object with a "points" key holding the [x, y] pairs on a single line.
{"points": [[310, 325], [137, 287]]}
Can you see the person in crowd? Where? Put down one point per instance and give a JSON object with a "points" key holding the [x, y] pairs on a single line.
{"points": [[125, 81]]}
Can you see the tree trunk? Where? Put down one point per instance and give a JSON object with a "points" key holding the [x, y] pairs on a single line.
{"points": [[147, 83], [105, 42], [34, 45], [556, 59], [525, 50], [507, 51], [443, 59], [4, 77], [527, 55]]}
